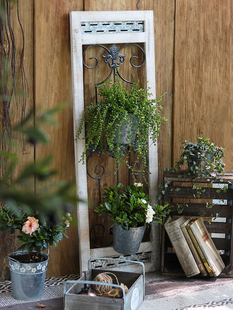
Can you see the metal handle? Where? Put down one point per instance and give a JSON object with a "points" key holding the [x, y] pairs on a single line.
{"points": [[96, 283], [14, 260], [126, 261]]}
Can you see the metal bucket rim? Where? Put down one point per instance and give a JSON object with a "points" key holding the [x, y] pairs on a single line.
{"points": [[17, 253], [22, 265]]}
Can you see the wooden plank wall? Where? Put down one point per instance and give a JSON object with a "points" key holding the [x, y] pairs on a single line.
{"points": [[203, 74], [52, 87], [193, 56], [8, 242], [47, 64]]}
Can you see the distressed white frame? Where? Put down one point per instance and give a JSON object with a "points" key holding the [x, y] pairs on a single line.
{"points": [[78, 39]]}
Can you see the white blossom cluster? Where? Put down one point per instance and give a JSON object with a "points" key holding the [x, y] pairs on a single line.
{"points": [[149, 212]]}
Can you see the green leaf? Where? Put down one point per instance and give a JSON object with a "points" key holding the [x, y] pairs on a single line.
{"points": [[36, 134], [108, 206]]}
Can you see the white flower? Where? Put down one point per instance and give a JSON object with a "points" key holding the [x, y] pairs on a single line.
{"points": [[67, 222], [143, 200], [138, 184], [213, 174], [149, 214]]}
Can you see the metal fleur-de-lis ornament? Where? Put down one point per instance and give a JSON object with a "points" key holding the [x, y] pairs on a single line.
{"points": [[111, 58]]}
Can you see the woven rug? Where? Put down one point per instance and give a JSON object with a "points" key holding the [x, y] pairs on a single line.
{"points": [[52, 296], [162, 293]]}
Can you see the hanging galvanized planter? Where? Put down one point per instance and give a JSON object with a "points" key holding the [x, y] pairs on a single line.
{"points": [[126, 133]]}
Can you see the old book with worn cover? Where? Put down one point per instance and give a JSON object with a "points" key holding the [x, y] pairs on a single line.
{"points": [[207, 246], [179, 243], [192, 247], [197, 246]]}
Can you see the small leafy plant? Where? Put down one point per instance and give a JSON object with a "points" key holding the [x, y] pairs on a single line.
{"points": [[35, 232], [105, 118], [130, 207], [203, 157]]}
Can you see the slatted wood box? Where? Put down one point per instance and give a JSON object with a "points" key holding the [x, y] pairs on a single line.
{"points": [[193, 195], [135, 281]]}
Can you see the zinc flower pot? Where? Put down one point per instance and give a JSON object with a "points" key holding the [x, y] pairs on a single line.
{"points": [[126, 133], [127, 241], [27, 279], [200, 165]]}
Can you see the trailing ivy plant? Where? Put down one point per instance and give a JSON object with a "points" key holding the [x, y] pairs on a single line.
{"points": [[204, 158], [104, 120]]}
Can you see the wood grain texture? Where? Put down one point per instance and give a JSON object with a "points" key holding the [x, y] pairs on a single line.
{"points": [[203, 69], [53, 86], [9, 243], [52, 80], [164, 13]]}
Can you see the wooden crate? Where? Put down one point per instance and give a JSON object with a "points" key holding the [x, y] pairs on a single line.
{"points": [[195, 197], [135, 281]]}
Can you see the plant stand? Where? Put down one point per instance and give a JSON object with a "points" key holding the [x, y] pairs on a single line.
{"points": [[92, 28], [193, 195]]}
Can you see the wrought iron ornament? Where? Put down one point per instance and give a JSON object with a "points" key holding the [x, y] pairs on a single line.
{"points": [[114, 59]]}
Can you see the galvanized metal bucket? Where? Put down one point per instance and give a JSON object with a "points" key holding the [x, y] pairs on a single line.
{"points": [[126, 133], [27, 279], [127, 242]]}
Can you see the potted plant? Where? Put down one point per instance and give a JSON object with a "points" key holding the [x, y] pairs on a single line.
{"points": [[203, 158], [131, 212], [132, 112], [40, 217], [28, 265]]}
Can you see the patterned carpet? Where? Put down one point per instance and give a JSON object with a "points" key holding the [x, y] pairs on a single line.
{"points": [[162, 293], [54, 288]]}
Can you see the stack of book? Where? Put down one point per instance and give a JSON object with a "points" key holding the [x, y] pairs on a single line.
{"points": [[194, 247]]}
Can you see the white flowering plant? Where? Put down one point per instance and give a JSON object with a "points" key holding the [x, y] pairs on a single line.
{"points": [[35, 232], [130, 206]]}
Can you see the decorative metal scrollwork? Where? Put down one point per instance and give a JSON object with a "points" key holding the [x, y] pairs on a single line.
{"points": [[114, 59], [100, 234], [95, 171], [111, 59]]}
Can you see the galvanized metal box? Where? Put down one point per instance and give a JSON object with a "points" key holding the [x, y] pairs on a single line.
{"points": [[135, 281]]}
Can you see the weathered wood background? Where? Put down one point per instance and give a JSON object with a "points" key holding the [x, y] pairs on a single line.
{"points": [[193, 50]]}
